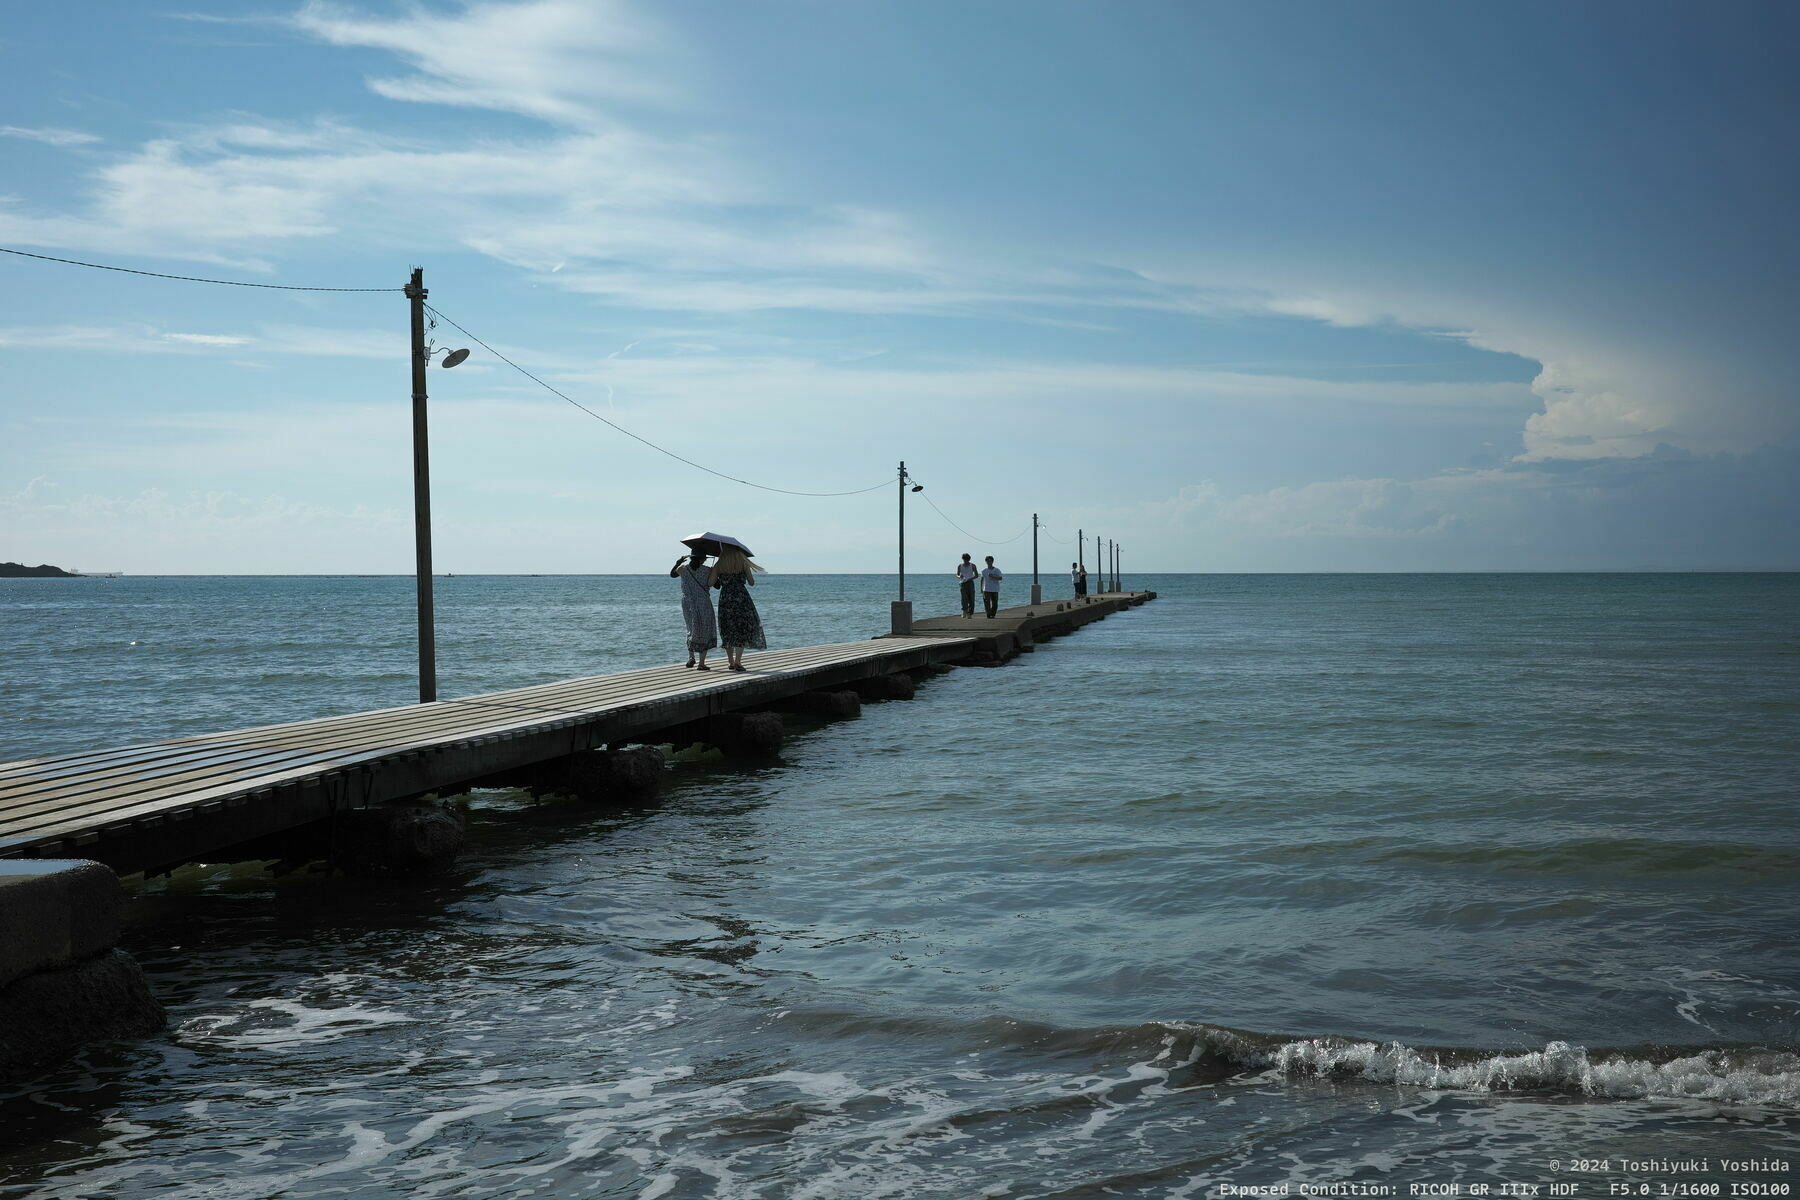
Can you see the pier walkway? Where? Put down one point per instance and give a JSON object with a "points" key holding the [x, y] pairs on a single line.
{"points": [[149, 806]]}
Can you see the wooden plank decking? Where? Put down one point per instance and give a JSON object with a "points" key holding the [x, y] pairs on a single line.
{"points": [[149, 806], [146, 805]]}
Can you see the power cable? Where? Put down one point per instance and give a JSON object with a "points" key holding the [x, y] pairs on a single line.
{"points": [[280, 287], [1045, 530], [620, 428], [985, 541]]}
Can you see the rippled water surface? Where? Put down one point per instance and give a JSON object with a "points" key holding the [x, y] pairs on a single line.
{"points": [[1317, 879]]}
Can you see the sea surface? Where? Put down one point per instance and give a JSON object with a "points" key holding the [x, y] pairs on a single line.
{"points": [[1342, 882]]}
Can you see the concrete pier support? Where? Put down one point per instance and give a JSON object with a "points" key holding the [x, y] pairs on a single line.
{"points": [[743, 735], [898, 686], [842, 705], [900, 618], [62, 982], [616, 775], [750, 735], [419, 836]]}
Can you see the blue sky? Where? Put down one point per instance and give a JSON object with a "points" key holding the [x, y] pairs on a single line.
{"points": [[1245, 286]]}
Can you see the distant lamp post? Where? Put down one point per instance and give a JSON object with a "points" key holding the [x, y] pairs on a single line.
{"points": [[1037, 592], [422, 354], [900, 611]]}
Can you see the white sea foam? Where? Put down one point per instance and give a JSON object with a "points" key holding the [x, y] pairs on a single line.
{"points": [[307, 1025], [1762, 1078]]}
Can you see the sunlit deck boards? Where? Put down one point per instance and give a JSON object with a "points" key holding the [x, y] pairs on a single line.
{"points": [[149, 805]]}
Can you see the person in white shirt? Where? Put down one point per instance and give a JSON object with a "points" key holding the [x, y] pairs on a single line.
{"points": [[1078, 577], [990, 587], [966, 572]]}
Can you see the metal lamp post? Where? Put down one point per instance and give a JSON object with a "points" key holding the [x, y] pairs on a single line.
{"points": [[421, 359], [415, 293], [900, 611], [1037, 592]]}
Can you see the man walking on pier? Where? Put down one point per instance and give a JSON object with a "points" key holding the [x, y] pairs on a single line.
{"points": [[990, 588], [965, 573]]}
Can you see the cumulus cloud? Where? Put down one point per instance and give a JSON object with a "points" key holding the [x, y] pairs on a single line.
{"points": [[1606, 389]]}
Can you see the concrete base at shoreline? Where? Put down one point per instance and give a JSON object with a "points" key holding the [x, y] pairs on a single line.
{"points": [[62, 982]]}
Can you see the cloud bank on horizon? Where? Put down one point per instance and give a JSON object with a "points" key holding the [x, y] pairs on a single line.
{"points": [[1288, 286]]}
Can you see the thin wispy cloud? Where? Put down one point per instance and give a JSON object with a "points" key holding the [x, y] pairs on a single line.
{"points": [[50, 136]]}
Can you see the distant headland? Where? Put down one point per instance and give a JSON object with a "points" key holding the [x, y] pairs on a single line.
{"points": [[13, 570]]}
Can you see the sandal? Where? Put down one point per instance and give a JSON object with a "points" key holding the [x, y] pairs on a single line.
{"points": [[702, 667], [688, 663]]}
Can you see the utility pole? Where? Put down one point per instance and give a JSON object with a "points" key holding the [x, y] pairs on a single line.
{"points": [[900, 614], [1118, 559], [1037, 592], [415, 293]]}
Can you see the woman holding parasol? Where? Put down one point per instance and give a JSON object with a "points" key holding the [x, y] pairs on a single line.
{"points": [[734, 575]]}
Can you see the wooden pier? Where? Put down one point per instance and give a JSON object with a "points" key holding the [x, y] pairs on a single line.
{"points": [[160, 804]]}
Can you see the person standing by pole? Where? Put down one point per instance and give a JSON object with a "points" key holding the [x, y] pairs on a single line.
{"points": [[990, 587], [966, 572], [1075, 579]]}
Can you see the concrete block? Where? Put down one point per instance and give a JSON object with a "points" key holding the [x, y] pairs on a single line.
{"points": [[54, 912], [821, 704], [404, 838], [616, 774], [46, 1016], [751, 734], [898, 686]]}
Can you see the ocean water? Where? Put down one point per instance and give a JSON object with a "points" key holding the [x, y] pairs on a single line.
{"points": [[1342, 883]]}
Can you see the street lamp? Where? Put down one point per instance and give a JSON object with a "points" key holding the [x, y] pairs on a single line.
{"points": [[422, 354], [900, 611]]}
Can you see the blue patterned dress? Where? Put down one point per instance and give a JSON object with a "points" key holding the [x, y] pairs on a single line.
{"points": [[697, 610], [739, 626]]}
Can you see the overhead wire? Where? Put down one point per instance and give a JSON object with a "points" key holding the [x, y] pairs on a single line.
{"points": [[985, 541], [1045, 530], [435, 312], [628, 433], [279, 287]]}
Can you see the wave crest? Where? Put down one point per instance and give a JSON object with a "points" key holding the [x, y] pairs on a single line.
{"points": [[1758, 1077]]}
